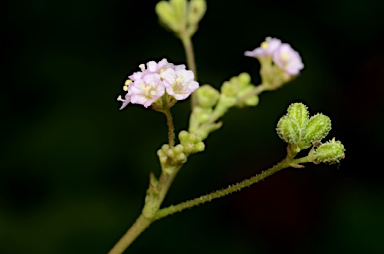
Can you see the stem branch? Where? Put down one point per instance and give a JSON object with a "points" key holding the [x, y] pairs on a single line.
{"points": [[223, 192]]}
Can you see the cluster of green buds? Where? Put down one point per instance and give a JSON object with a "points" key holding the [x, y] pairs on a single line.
{"points": [[238, 91], [171, 158], [212, 104], [181, 16], [302, 132]]}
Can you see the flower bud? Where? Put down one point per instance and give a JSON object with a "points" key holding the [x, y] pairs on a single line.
{"points": [[199, 147], [317, 128], [299, 112], [181, 158], [191, 142], [183, 136], [244, 78], [180, 10], [207, 96], [178, 149], [162, 156], [196, 11], [228, 89], [330, 152], [225, 103], [167, 15], [288, 130]]}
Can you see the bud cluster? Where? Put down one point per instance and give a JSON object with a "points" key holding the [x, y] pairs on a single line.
{"points": [[301, 132], [172, 157], [211, 104], [297, 128], [181, 16]]}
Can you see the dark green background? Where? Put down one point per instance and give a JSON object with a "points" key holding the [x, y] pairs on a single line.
{"points": [[74, 169]]}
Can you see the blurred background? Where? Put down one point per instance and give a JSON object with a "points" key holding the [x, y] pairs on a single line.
{"points": [[74, 169]]}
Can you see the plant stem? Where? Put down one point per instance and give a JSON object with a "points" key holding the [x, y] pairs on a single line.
{"points": [[133, 232], [171, 128], [223, 192], [188, 47], [150, 208]]}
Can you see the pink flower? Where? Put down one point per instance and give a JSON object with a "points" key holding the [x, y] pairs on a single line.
{"points": [[179, 82], [148, 85], [288, 59], [147, 90], [267, 48], [282, 55]]}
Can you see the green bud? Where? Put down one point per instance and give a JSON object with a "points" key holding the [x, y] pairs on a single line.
{"points": [[180, 10], [183, 136], [171, 156], [199, 147], [299, 112], [162, 156], [196, 11], [244, 78], [330, 152], [191, 142], [288, 130], [181, 158], [317, 128], [200, 115], [249, 101], [167, 16], [228, 89], [178, 149], [207, 96], [189, 147], [225, 103]]}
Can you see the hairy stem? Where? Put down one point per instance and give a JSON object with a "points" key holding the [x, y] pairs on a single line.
{"points": [[188, 47], [171, 128], [223, 192]]}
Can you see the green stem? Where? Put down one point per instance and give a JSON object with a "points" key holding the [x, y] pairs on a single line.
{"points": [[223, 192], [305, 159], [188, 47], [148, 213], [133, 232]]}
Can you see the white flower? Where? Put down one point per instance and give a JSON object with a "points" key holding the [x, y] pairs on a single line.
{"points": [[288, 59], [148, 85], [179, 82], [147, 90], [267, 48]]}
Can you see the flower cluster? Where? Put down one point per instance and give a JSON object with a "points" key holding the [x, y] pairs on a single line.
{"points": [[156, 79], [282, 55]]}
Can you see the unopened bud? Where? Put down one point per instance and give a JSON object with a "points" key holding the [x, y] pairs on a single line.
{"points": [[207, 96], [317, 128], [196, 11], [299, 112], [288, 130], [330, 152]]}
